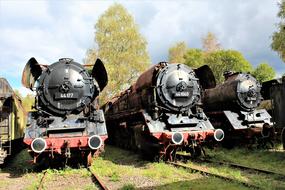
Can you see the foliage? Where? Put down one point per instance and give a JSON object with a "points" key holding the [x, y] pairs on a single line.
{"points": [[264, 72], [278, 38], [226, 60], [194, 58], [177, 52], [210, 43], [27, 101], [121, 47], [219, 61]]}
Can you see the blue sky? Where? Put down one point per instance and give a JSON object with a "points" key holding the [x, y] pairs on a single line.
{"points": [[49, 30]]}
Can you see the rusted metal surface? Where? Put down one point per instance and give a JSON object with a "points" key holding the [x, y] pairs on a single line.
{"points": [[153, 111], [240, 91], [31, 73], [97, 180], [41, 184], [12, 118], [146, 79]]}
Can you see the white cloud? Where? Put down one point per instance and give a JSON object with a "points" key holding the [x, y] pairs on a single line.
{"points": [[49, 30]]}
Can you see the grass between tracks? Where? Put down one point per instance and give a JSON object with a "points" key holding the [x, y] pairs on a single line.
{"points": [[121, 169], [257, 158]]}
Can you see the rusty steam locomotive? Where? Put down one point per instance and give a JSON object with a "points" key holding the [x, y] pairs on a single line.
{"points": [[161, 113], [232, 106], [66, 123]]}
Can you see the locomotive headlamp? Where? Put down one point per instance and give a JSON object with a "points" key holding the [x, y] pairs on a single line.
{"points": [[95, 142], [219, 135], [177, 138], [38, 145]]}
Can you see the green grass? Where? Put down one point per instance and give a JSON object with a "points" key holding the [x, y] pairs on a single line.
{"points": [[21, 162], [207, 183], [261, 180], [273, 161], [117, 165], [69, 171], [128, 187]]}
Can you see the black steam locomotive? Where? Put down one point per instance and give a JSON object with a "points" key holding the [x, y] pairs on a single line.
{"points": [[67, 123], [274, 91], [161, 113], [232, 106]]}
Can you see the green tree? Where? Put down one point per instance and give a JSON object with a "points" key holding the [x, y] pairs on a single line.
{"points": [[226, 60], [194, 58], [278, 38], [210, 43], [121, 47], [177, 52], [263, 72]]}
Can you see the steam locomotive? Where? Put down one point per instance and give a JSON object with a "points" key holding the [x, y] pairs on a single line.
{"points": [[274, 91], [66, 124], [161, 113], [232, 106]]}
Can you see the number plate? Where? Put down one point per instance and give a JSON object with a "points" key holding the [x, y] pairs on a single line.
{"points": [[181, 94], [59, 96]]}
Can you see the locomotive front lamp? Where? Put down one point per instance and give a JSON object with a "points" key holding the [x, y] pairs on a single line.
{"points": [[219, 135], [177, 138], [95, 142], [38, 145]]}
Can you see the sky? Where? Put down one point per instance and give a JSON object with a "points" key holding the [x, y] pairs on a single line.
{"points": [[49, 30]]}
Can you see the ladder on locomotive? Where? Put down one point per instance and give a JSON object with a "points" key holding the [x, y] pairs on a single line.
{"points": [[5, 132]]}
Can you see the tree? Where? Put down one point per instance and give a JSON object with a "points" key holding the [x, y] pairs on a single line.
{"points": [[177, 52], [278, 38], [121, 47], [210, 43], [226, 60], [264, 72], [194, 58]]}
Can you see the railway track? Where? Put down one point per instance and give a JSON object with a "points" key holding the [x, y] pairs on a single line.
{"points": [[208, 173], [41, 184], [97, 180], [242, 167]]}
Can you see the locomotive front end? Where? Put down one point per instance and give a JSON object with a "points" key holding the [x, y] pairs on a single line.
{"points": [[161, 113], [233, 106], [67, 123], [178, 88]]}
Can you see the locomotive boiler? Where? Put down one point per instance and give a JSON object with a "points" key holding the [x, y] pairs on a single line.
{"points": [[233, 104], [161, 113], [66, 124]]}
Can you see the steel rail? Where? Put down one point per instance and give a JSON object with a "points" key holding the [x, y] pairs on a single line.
{"points": [[97, 180], [239, 166], [40, 187], [203, 171]]}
